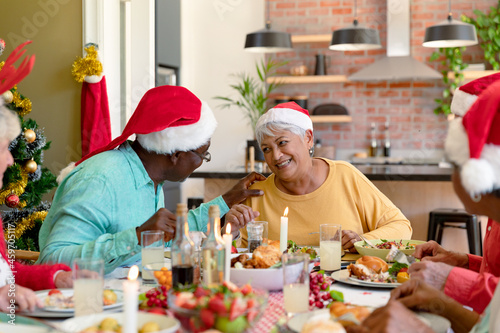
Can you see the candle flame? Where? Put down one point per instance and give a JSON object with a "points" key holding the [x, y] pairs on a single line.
{"points": [[133, 273], [286, 212], [228, 229]]}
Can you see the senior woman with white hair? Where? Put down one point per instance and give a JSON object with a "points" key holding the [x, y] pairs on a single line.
{"points": [[316, 190]]}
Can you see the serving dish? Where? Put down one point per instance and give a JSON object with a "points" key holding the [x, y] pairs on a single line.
{"points": [[382, 253], [343, 277], [42, 295]]}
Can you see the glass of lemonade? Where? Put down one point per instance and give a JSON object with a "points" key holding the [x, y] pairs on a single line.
{"points": [[330, 246], [152, 251], [88, 285], [296, 282]]}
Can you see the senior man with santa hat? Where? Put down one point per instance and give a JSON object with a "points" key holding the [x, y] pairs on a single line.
{"points": [[104, 202]]}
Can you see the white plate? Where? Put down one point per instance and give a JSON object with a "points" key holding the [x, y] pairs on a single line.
{"points": [[343, 277], [438, 324], [22, 324], [42, 294], [78, 324]]}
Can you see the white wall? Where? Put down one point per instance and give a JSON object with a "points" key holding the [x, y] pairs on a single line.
{"points": [[212, 39]]}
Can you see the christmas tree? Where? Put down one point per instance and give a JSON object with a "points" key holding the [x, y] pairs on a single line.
{"points": [[26, 181]]}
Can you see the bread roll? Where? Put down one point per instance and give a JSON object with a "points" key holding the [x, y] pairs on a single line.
{"points": [[375, 264]]}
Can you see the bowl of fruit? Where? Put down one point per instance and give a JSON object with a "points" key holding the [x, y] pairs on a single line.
{"points": [[161, 272], [224, 307]]}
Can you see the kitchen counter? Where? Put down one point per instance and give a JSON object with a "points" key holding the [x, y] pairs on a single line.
{"points": [[415, 189], [405, 172]]}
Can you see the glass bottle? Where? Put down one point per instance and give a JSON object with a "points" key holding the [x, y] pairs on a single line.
{"points": [[213, 250], [373, 143], [387, 144], [182, 250]]}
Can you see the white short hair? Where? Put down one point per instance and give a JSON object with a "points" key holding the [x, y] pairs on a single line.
{"points": [[10, 126]]}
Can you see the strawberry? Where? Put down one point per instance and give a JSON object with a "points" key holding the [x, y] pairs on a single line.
{"points": [[251, 315], [207, 317], [251, 303], [404, 269], [230, 286], [200, 292], [238, 308], [54, 291], [246, 289], [234, 249], [217, 305]]}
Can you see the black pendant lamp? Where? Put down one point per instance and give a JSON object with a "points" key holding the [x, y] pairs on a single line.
{"points": [[268, 40], [450, 33], [355, 37]]}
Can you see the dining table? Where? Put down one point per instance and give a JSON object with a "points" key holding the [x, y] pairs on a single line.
{"points": [[274, 316]]}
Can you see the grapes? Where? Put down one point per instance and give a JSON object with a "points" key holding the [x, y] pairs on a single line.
{"points": [[319, 290]]}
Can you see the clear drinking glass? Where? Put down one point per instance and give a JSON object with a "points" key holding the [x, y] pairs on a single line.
{"points": [[330, 246], [295, 282], [88, 285], [152, 251]]}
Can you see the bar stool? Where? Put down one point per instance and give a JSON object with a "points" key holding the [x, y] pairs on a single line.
{"points": [[440, 219]]}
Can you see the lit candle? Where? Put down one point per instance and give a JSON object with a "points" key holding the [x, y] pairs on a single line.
{"points": [[284, 231], [228, 238], [130, 294]]}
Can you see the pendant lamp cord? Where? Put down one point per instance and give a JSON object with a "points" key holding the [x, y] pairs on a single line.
{"points": [[449, 11], [268, 19], [355, 22]]}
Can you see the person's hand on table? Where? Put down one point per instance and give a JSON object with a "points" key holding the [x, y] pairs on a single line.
{"points": [[240, 191], [24, 298], [163, 220], [239, 215], [64, 279], [433, 273], [349, 237], [432, 251], [394, 317]]}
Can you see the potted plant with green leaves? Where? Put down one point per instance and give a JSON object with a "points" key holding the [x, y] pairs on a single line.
{"points": [[253, 95]]}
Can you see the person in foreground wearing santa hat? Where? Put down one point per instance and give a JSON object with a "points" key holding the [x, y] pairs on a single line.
{"points": [[101, 207], [316, 190], [468, 278], [473, 146]]}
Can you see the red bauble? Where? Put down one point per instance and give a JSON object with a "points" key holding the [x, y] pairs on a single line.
{"points": [[12, 200]]}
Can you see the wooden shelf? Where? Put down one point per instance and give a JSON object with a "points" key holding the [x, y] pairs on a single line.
{"points": [[299, 39], [472, 75], [307, 79], [331, 119]]}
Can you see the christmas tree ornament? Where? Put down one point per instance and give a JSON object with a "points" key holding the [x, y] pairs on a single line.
{"points": [[30, 166], [29, 135], [2, 46], [8, 97], [12, 200]]}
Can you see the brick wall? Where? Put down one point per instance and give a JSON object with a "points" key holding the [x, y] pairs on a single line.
{"points": [[407, 105]]}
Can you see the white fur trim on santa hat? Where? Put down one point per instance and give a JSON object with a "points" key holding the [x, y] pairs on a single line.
{"points": [[462, 102], [491, 153], [457, 143], [287, 116], [64, 172], [181, 138], [477, 176]]}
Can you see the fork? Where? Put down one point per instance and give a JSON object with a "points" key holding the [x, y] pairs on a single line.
{"points": [[367, 241]]}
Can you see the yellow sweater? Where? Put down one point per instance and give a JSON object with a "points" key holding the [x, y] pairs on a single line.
{"points": [[347, 197]]}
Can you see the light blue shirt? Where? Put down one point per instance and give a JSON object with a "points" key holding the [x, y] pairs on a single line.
{"points": [[98, 206]]}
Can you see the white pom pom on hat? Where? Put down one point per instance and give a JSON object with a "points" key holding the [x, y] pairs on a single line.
{"points": [[481, 124], [288, 113]]}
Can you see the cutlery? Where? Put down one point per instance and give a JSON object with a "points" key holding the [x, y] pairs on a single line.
{"points": [[367, 241], [398, 256]]}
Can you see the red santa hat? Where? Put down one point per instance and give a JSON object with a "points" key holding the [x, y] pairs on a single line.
{"points": [[287, 113], [473, 142], [464, 96], [167, 119]]}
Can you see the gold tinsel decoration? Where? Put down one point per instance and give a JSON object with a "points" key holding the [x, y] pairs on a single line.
{"points": [[22, 103], [16, 187], [29, 222], [89, 65], [1, 64]]}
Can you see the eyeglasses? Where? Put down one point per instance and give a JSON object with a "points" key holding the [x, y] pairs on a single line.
{"points": [[205, 156]]}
